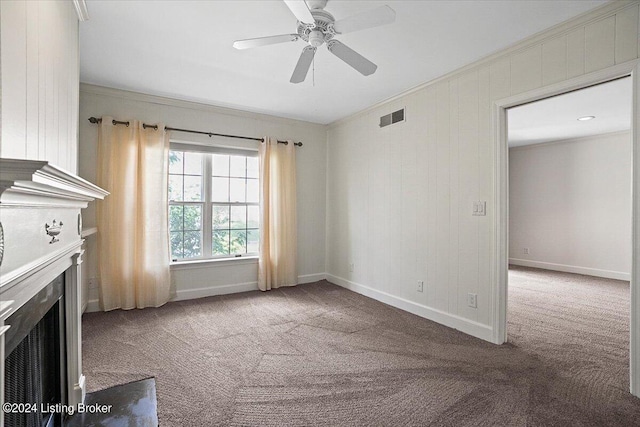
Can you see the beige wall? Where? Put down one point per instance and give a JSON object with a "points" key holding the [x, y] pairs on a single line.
{"points": [[221, 276], [570, 205], [400, 198], [40, 81]]}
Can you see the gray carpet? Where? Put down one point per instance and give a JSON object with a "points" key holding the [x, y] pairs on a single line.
{"points": [[318, 354]]}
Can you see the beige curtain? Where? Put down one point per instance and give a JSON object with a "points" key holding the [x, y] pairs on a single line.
{"points": [[133, 247], [278, 234]]}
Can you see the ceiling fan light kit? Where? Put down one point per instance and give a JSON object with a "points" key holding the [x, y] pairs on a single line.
{"points": [[317, 27]]}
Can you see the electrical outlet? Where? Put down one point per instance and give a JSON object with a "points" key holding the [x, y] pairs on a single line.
{"points": [[472, 300], [420, 286], [351, 266], [526, 251]]}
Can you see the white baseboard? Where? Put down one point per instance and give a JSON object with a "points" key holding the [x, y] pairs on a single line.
{"points": [[607, 274], [311, 278], [185, 294], [478, 330], [92, 306]]}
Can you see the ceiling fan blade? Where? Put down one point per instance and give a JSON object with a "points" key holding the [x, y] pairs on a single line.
{"points": [[302, 67], [351, 57], [369, 19], [300, 9], [264, 41]]}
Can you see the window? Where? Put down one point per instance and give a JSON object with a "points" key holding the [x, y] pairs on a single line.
{"points": [[213, 203]]}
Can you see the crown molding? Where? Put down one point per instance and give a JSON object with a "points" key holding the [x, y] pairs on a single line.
{"points": [[81, 10], [193, 105]]}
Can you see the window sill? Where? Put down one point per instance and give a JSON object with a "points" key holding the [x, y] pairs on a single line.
{"points": [[217, 262]]}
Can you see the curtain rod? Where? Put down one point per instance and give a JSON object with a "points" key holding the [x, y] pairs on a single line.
{"points": [[144, 125]]}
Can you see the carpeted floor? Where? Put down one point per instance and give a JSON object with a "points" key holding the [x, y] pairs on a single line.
{"points": [[318, 354]]}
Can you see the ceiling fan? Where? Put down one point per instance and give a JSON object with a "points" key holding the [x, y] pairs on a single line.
{"points": [[317, 27]]}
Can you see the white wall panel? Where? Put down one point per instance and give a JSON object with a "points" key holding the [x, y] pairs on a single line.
{"points": [[40, 82], [450, 131], [526, 70], [443, 198], [599, 44], [32, 88], [554, 60], [14, 68], [575, 52], [455, 147], [485, 193], [432, 191], [469, 190], [627, 34]]}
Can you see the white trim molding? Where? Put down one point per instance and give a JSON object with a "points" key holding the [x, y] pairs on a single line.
{"points": [[210, 291], [499, 269], [36, 183], [587, 271], [467, 326], [635, 251], [311, 278]]}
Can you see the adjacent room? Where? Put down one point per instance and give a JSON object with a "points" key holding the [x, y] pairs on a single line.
{"points": [[570, 233], [289, 212]]}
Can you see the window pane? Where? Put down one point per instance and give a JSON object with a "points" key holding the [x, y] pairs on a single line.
{"points": [[175, 161], [252, 191], [221, 217], [252, 167], [238, 166], [175, 218], [238, 242], [193, 217], [175, 187], [192, 188], [238, 217], [220, 165], [253, 241], [192, 244], [253, 216], [220, 242], [220, 189], [236, 190], [176, 245], [192, 163]]}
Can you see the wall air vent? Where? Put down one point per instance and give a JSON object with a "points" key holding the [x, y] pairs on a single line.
{"points": [[392, 118]]}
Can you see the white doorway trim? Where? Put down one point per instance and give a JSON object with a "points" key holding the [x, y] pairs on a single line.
{"points": [[501, 218]]}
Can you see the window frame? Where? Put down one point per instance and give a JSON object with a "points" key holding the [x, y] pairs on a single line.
{"points": [[207, 202]]}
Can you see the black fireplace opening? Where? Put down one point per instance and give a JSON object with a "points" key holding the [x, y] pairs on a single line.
{"points": [[35, 362]]}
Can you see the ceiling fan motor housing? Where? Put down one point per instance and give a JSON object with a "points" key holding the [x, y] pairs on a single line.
{"points": [[319, 33]]}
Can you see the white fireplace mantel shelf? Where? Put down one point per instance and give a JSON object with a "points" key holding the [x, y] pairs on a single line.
{"points": [[39, 183]]}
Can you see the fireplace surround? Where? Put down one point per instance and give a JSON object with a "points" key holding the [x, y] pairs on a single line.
{"points": [[41, 253]]}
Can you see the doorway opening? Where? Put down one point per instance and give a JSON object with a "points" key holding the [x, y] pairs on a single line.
{"points": [[570, 232], [501, 219]]}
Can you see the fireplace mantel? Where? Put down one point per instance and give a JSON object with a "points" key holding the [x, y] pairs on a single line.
{"points": [[41, 238]]}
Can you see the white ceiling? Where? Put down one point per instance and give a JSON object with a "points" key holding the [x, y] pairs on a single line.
{"points": [[556, 118], [183, 49]]}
